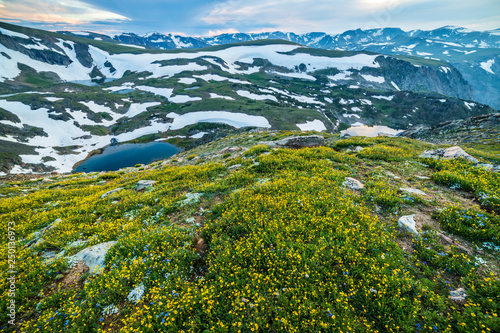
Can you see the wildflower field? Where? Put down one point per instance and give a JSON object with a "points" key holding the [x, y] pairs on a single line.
{"points": [[258, 240]]}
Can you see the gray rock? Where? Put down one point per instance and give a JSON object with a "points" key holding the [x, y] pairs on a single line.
{"points": [[353, 184], [448, 153], [144, 184], [413, 191], [93, 256], [358, 149], [229, 150], [111, 192], [408, 223], [302, 141], [234, 167], [458, 295], [423, 177]]}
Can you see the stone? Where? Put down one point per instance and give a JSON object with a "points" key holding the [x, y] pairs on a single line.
{"points": [[449, 153], [93, 256], [229, 150], [459, 296], [407, 223], [358, 149], [234, 167], [111, 192], [423, 177], [445, 238], [353, 184], [144, 184], [302, 141], [413, 191]]}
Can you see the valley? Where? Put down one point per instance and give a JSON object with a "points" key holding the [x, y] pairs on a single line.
{"points": [[131, 93]]}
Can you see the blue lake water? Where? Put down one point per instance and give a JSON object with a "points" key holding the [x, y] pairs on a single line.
{"points": [[126, 155]]}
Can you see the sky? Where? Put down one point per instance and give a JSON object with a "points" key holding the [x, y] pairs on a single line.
{"points": [[212, 17]]}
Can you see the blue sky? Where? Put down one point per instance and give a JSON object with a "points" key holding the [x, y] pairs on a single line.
{"points": [[209, 17]]}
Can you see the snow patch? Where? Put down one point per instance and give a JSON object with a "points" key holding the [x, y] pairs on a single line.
{"points": [[237, 120], [256, 97], [378, 79], [487, 65], [315, 125]]}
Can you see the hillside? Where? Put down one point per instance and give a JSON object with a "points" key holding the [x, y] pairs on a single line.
{"points": [[474, 53], [65, 97], [244, 234]]}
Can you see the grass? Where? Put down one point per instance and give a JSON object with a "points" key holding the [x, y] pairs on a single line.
{"points": [[278, 244]]}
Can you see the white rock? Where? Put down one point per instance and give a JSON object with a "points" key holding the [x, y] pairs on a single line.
{"points": [[408, 223], [94, 256], [353, 184], [413, 191]]}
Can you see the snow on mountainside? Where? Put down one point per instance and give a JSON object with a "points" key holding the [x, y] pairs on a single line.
{"points": [[463, 48], [63, 96]]}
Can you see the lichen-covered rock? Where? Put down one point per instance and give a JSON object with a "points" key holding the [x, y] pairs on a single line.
{"points": [[448, 153], [353, 184], [94, 256], [458, 295]]}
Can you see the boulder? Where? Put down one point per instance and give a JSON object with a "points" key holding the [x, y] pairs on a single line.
{"points": [[93, 256], [448, 153], [302, 141], [111, 192], [408, 223], [144, 184], [353, 184]]}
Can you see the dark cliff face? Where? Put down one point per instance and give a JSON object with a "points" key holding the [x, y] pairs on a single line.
{"points": [[83, 55], [47, 56], [425, 78]]}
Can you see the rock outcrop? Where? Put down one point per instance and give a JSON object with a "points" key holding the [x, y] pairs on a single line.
{"points": [[301, 141], [449, 153]]}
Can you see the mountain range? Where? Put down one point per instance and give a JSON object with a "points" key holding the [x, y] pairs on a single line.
{"points": [[475, 54], [65, 96]]}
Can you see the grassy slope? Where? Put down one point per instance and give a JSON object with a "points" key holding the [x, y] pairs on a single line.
{"points": [[277, 244]]}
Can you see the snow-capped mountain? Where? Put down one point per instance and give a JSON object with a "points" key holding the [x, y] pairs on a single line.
{"points": [[64, 96], [475, 54]]}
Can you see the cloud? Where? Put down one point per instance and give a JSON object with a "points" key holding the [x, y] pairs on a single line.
{"points": [[71, 12], [221, 31], [339, 15]]}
